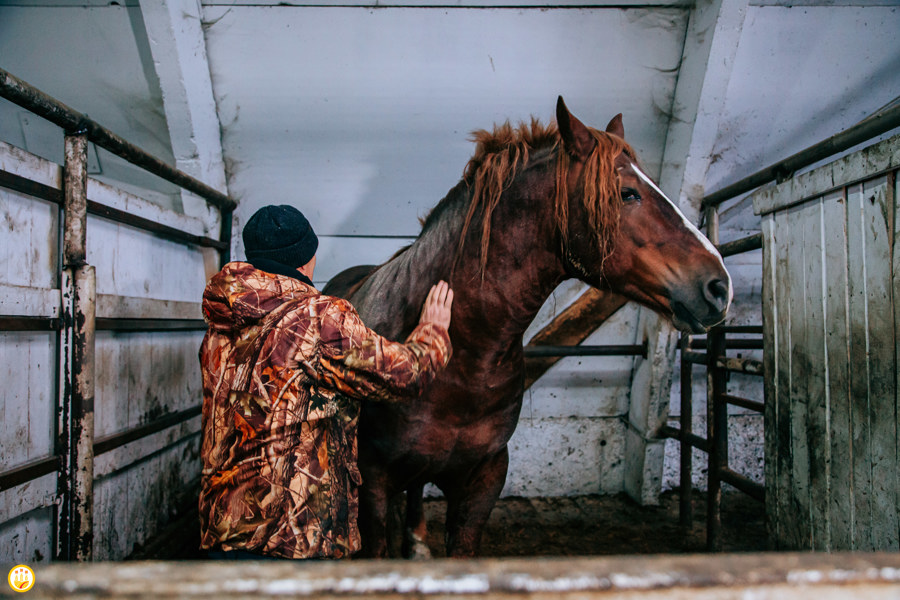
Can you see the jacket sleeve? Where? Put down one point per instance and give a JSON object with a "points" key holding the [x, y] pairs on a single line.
{"points": [[358, 362]]}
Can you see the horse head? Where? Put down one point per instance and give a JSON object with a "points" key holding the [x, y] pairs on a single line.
{"points": [[625, 235]]}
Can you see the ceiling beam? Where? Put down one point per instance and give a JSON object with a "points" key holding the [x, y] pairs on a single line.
{"points": [[711, 42], [178, 47]]}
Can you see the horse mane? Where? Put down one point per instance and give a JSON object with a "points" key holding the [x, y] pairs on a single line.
{"points": [[505, 152]]}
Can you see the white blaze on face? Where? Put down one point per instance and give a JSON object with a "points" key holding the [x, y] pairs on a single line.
{"points": [[690, 226]]}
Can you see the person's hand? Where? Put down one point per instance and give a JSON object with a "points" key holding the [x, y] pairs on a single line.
{"points": [[437, 305]]}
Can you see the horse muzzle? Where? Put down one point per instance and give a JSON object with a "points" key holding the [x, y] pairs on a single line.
{"points": [[696, 309]]}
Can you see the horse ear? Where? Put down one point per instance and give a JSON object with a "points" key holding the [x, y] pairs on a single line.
{"points": [[615, 126], [576, 137]]}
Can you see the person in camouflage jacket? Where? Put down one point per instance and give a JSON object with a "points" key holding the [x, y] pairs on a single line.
{"points": [[283, 370]]}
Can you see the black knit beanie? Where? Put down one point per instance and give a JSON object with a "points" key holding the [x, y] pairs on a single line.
{"points": [[282, 234]]}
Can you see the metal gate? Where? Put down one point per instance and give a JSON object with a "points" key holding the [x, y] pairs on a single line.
{"points": [[99, 330]]}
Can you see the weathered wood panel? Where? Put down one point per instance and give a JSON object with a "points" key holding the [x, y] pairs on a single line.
{"points": [[697, 577], [831, 335], [837, 390]]}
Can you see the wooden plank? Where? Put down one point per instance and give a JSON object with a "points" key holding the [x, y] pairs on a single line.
{"points": [[788, 536], [28, 301], [882, 417], [860, 427], [675, 577], [800, 373], [771, 318], [837, 365], [894, 191], [848, 170], [816, 415], [571, 327]]}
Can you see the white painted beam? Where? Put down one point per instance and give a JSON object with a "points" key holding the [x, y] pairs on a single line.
{"points": [[179, 56], [711, 42], [714, 31]]}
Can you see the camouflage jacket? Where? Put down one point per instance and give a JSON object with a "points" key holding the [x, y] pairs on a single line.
{"points": [[279, 456]]}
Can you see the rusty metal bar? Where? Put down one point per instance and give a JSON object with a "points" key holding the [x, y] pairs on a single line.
{"points": [[749, 366], [685, 494], [28, 472], [22, 185], [76, 405], [20, 323], [732, 344], [747, 244], [754, 405], [606, 350], [749, 329], [717, 434], [111, 442], [697, 358], [145, 325], [163, 231], [866, 129], [667, 431], [745, 484], [41, 104]]}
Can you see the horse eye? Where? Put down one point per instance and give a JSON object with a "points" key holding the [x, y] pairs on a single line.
{"points": [[630, 195]]}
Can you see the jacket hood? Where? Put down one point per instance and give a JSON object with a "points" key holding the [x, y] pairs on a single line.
{"points": [[239, 295]]}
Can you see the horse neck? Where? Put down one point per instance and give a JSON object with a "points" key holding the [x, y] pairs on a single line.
{"points": [[494, 306]]}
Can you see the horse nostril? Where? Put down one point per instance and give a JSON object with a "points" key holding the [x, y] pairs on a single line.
{"points": [[717, 293]]}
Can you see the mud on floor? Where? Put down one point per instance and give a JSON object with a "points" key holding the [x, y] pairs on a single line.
{"points": [[595, 525]]}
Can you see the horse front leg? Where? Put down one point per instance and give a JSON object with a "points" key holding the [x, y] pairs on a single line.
{"points": [[469, 504], [374, 502]]}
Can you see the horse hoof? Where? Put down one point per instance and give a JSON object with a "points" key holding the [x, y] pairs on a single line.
{"points": [[419, 549]]}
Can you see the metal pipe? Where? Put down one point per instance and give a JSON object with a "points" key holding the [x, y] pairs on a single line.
{"points": [[685, 494], [28, 472], [746, 244], [144, 325], [15, 90], [757, 491], [20, 184], [697, 358], [717, 434], [749, 366], [667, 431], [731, 344], [754, 405], [76, 405], [866, 129], [111, 442], [608, 350], [17, 323]]}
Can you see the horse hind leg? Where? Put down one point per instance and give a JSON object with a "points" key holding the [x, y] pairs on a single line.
{"points": [[415, 533]]}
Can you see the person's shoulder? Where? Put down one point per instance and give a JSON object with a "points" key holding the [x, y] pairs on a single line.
{"points": [[335, 305]]}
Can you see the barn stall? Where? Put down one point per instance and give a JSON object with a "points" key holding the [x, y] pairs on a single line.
{"points": [[359, 116]]}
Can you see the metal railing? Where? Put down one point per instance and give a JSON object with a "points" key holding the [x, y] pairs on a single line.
{"points": [[77, 322]]}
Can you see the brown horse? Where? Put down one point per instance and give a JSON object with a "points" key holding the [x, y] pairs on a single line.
{"points": [[536, 206]]}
